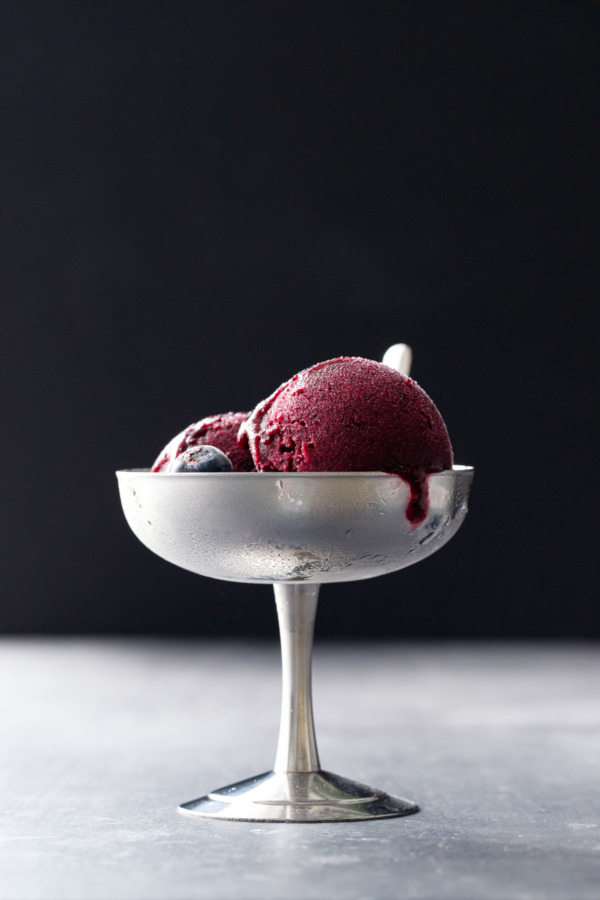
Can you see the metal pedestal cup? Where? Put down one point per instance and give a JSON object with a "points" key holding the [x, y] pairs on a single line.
{"points": [[295, 531]]}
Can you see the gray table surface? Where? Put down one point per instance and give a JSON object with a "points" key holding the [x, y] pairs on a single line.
{"points": [[102, 738]]}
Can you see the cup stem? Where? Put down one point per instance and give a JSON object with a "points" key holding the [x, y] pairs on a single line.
{"points": [[296, 610]]}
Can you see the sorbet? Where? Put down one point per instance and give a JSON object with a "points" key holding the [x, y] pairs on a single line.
{"points": [[217, 431], [351, 415]]}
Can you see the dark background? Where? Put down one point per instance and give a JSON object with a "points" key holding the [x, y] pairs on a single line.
{"points": [[201, 198]]}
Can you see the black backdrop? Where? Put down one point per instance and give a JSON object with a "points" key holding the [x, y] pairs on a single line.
{"points": [[201, 198]]}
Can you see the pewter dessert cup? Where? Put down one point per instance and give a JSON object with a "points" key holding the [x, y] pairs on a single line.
{"points": [[295, 531]]}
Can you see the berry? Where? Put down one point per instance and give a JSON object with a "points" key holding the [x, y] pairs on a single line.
{"points": [[203, 458]]}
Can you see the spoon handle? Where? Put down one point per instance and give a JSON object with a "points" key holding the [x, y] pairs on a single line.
{"points": [[398, 356]]}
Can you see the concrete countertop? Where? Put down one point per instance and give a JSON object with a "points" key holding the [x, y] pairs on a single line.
{"points": [[102, 738]]}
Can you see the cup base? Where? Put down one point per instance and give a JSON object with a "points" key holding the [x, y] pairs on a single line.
{"points": [[298, 797]]}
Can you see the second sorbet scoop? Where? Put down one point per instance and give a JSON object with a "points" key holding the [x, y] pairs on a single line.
{"points": [[218, 431]]}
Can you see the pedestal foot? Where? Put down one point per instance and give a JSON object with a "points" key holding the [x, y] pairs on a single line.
{"points": [[298, 797]]}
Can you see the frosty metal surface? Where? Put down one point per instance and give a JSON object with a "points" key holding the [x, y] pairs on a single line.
{"points": [[299, 527]]}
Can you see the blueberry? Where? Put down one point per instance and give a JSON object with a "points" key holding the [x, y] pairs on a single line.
{"points": [[202, 459]]}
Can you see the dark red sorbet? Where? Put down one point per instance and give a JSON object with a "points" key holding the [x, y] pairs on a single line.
{"points": [[218, 431], [351, 415], [418, 504]]}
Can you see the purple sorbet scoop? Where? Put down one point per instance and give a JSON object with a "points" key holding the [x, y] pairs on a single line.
{"points": [[218, 431], [351, 415]]}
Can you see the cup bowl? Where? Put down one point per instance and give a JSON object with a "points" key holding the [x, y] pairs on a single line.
{"points": [[290, 527]]}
